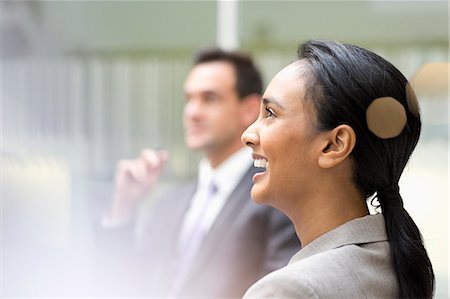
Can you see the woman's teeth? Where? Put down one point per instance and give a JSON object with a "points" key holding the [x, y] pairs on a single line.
{"points": [[263, 163]]}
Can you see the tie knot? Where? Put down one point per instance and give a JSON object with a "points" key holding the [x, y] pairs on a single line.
{"points": [[212, 188]]}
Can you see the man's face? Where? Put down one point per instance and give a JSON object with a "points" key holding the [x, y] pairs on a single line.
{"points": [[212, 117]]}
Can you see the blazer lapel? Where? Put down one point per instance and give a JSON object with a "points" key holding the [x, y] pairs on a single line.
{"points": [[368, 229]]}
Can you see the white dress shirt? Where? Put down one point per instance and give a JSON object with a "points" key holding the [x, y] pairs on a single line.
{"points": [[226, 177]]}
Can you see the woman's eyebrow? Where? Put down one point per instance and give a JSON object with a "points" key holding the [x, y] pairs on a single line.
{"points": [[273, 101]]}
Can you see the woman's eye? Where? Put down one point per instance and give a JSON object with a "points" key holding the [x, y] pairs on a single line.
{"points": [[270, 112]]}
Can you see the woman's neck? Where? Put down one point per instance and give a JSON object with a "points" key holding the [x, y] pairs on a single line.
{"points": [[328, 209]]}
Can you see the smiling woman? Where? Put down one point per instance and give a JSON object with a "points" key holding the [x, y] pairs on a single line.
{"points": [[323, 131]]}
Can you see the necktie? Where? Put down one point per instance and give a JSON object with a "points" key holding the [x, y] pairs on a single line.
{"points": [[193, 242]]}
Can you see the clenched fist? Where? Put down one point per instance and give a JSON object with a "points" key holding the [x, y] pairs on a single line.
{"points": [[133, 179]]}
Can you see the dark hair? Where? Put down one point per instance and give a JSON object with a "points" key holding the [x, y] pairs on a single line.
{"points": [[248, 78], [341, 82]]}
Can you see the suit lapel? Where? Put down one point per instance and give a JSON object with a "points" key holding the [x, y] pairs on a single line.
{"points": [[170, 224], [237, 199], [179, 206]]}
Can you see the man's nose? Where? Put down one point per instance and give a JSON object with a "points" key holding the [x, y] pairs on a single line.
{"points": [[193, 108]]}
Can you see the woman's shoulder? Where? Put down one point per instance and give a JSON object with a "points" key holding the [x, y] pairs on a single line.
{"points": [[351, 271]]}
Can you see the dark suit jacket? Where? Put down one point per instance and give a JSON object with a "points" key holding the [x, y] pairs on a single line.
{"points": [[245, 242]]}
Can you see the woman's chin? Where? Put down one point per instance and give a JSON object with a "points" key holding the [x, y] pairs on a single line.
{"points": [[258, 195]]}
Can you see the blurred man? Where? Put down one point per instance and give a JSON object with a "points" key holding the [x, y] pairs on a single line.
{"points": [[207, 238]]}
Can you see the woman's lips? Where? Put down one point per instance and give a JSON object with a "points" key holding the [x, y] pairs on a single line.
{"points": [[262, 163], [258, 176]]}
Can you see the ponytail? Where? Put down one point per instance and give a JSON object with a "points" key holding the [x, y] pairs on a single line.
{"points": [[409, 258], [343, 82]]}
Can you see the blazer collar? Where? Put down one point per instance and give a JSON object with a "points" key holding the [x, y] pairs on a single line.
{"points": [[368, 229]]}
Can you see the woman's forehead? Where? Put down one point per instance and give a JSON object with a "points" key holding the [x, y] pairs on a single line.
{"points": [[288, 82]]}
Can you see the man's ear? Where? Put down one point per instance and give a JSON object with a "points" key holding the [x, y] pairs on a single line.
{"points": [[250, 106], [338, 145]]}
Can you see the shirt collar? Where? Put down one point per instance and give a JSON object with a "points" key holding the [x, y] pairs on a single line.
{"points": [[228, 173], [368, 229]]}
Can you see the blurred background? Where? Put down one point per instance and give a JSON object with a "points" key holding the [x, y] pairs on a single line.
{"points": [[86, 83]]}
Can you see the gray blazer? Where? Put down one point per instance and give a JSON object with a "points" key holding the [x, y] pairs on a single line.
{"points": [[246, 242], [351, 261]]}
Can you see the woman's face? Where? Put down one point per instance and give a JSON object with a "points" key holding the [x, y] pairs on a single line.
{"points": [[285, 142]]}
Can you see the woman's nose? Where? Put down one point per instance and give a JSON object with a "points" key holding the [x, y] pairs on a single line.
{"points": [[250, 136]]}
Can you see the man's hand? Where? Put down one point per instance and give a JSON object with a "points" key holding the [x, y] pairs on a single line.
{"points": [[133, 179]]}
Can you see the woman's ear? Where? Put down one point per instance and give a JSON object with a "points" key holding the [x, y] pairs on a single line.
{"points": [[338, 145]]}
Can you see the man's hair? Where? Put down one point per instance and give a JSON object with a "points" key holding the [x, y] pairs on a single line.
{"points": [[248, 78]]}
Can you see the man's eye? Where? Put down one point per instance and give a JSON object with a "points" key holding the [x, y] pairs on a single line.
{"points": [[211, 98], [270, 112]]}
